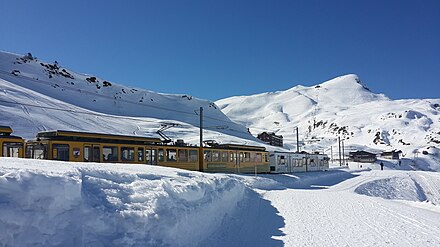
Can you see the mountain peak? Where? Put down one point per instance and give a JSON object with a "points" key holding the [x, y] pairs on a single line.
{"points": [[345, 81]]}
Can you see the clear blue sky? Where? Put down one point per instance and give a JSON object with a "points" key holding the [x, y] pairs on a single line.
{"points": [[216, 49]]}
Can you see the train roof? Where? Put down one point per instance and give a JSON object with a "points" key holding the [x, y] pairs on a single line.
{"points": [[5, 130], [79, 136], [239, 147]]}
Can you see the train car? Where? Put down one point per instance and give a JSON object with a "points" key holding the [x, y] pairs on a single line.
{"points": [[88, 147], [287, 162], [233, 158], [95, 147], [177, 156], [10, 146]]}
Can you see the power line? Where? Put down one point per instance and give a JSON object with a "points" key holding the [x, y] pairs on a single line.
{"points": [[116, 99], [95, 94], [81, 112]]}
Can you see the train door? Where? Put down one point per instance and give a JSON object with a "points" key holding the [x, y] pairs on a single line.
{"points": [[151, 156], [92, 153], [239, 157]]}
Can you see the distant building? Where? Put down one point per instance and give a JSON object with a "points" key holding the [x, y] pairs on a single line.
{"points": [[362, 156], [394, 155], [271, 139]]}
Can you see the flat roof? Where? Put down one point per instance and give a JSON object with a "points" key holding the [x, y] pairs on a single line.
{"points": [[78, 135]]}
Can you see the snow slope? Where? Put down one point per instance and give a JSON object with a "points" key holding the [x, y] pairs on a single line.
{"points": [[346, 108], [47, 96], [51, 203]]}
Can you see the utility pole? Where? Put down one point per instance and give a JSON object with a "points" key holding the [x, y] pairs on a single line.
{"points": [[339, 144], [343, 153], [201, 126], [201, 141], [331, 153], [297, 140]]}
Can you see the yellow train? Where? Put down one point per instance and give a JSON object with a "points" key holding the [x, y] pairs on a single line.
{"points": [[95, 147], [10, 146]]}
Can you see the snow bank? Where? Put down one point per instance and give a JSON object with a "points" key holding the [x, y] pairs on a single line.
{"points": [[410, 186], [48, 203]]}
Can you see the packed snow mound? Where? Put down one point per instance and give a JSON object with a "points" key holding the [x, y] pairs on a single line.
{"points": [[39, 96], [343, 107], [49, 203], [411, 186]]}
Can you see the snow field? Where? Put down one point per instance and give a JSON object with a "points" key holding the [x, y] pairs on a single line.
{"points": [[46, 203], [50, 203]]}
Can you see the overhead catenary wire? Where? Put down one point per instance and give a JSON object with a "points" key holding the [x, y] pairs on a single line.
{"points": [[109, 97], [45, 82]]}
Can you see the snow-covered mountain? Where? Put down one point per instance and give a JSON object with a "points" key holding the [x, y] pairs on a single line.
{"points": [[343, 107], [37, 96]]}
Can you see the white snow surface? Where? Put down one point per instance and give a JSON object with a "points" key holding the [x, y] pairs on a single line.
{"points": [[51, 203], [344, 107]]}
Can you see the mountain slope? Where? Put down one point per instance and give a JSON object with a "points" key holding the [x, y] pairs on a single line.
{"points": [[37, 96], [344, 107]]}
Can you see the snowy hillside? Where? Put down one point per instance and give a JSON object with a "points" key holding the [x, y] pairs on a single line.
{"points": [[37, 96], [346, 108]]}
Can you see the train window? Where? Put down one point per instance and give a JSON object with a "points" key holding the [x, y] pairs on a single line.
{"points": [[110, 153], [39, 151], [253, 157], [215, 156], [266, 157], [207, 155], [247, 157], [259, 157], [193, 155], [60, 152], [231, 157], [241, 157], [88, 153], [12, 149], [183, 155], [281, 160], [224, 156], [171, 155], [29, 150], [140, 154], [96, 153], [153, 157], [127, 153], [161, 155]]}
